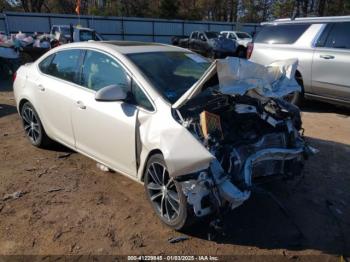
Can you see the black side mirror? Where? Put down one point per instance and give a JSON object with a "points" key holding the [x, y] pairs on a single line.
{"points": [[111, 93]]}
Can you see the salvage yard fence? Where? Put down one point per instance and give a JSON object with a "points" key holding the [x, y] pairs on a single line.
{"points": [[117, 28]]}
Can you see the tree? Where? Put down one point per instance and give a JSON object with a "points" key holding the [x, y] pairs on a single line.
{"points": [[169, 9]]}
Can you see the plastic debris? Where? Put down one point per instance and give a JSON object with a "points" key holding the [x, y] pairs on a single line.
{"points": [[102, 167], [174, 240], [55, 189], [14, 195]]}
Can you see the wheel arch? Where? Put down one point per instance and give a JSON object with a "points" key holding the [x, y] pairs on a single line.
{"points": [[299, 79], [150, 154], [21, 103]]}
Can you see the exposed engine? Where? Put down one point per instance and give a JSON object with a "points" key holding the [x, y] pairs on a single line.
{"points": [[250, 136]]}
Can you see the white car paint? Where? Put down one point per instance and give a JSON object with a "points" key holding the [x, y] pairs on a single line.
{"points": [[101, 130], [240, 41]]}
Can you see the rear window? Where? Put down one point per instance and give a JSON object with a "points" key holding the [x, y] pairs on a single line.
{"points": [[281, 34]]}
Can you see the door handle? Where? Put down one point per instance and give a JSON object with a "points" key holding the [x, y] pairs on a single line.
{"points": [[41, 87], [327, 56], [81, 105]]}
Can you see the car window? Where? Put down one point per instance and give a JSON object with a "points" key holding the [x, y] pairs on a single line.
{"points": [[281, 34], [140, 97], [201, 37], [339, 36], [194, 35], [243, 35], [85, 35], [232, 36], [65, 30], [211, 35], [100, 70], [64, 65], [224, 34], [170, 73], [45, 64]]}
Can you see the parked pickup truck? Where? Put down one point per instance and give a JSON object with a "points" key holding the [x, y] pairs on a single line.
{"points": [[207, 43], [75, 33]]}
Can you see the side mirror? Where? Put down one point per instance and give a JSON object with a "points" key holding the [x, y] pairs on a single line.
{"points": [[111, 93]]}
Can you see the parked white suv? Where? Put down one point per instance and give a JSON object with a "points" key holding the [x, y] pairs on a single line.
{"points": [[322, 46], [242, 39]]}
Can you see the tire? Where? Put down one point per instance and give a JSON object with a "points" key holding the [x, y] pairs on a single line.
{"points": [[241, 52], [212, 55], [33, 127], [296, 98], [169, 203]]}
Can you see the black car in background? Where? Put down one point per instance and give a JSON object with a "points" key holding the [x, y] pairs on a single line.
{"points": [[207, 43]]}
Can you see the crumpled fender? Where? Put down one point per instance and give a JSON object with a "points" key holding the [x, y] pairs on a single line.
{"points": [[183, 153]]}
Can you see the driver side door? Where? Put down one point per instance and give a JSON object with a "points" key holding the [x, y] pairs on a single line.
{"points": [[104, 130]]}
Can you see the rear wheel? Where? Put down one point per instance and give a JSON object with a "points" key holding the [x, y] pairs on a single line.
{"points": [[33, 127], [241, 52], [165, 194]]}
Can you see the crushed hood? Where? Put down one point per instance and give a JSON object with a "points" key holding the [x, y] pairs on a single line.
{"points": [[238, 76]]}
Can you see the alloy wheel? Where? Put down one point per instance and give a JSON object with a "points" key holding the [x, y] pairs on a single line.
{"points": [[31, 124], [162, 191]]}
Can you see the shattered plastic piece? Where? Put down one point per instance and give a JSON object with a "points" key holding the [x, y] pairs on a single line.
{"points": [[55, 189], [102, 167], [195, 190], [14, 195], [174, 240], [64, 155]]}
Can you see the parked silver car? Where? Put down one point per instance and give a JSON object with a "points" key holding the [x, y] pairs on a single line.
{"points": [[322, 46], [191, 130], [242, 39]]}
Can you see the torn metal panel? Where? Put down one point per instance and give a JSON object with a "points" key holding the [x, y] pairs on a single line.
{"points": [[183, 153], [237, 76]]}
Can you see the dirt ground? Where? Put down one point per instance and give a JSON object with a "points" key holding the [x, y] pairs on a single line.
{"points": [[70, 207]]}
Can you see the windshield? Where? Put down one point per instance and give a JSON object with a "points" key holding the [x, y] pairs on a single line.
{"points": [[171, 73], [243, 35], [86, 35], [212, 35], [65, 30]]}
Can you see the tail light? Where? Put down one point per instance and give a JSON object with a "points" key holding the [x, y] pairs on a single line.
{"points": [[14, 76], [250, 48]]}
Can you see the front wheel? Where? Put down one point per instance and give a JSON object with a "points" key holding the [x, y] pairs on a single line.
{"points": [[165, 194]]}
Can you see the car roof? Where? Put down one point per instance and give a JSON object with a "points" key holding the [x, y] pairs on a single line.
{"points": [[127, 47], [230, 31], [325, 19]]}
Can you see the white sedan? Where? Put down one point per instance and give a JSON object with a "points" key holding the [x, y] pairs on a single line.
{"points": [[157, 114]]}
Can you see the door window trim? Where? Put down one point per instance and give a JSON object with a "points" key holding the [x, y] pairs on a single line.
{"points": [[127, 71], [80, 65]]}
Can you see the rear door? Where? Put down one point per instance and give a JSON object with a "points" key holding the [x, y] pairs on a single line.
{"points": [[330, 67], [55, 88]]}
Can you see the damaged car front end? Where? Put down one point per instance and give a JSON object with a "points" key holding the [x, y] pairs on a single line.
{"points": [[236, 112]]}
